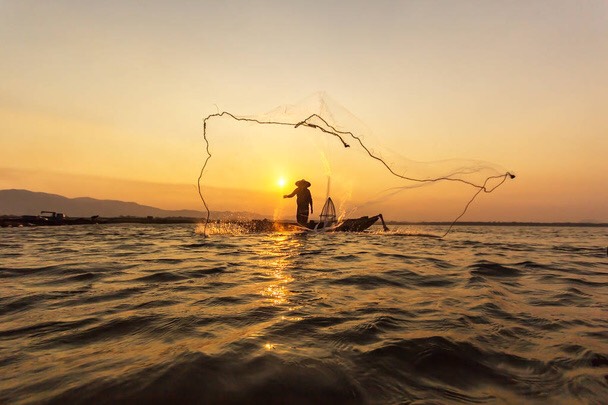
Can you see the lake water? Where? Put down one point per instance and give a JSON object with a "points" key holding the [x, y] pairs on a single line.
{"points": [[160, 314]]}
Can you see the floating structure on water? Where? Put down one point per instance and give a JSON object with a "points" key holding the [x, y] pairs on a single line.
{"points": [[46, 218], [328, 222], [261, 226], [52, 218]]}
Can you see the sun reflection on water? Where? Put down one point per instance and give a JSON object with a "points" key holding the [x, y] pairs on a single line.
{"points": [[278, 265]]}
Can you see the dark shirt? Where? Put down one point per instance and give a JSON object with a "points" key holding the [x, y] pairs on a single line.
{"points": [[303, 197]]}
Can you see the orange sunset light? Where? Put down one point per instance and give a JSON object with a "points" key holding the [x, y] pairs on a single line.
{"points": [[114, 111]]}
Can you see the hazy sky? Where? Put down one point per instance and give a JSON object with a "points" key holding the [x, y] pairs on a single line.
{"points": [[105, 99]]}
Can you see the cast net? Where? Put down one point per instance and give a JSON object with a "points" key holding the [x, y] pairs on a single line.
{"points": [[252, 161], [328, 215]]}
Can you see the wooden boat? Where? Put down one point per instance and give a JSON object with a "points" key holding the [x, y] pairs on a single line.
{"points": [[327, 223], [348, 225]]}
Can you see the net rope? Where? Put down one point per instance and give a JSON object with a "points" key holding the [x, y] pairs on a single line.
{"points": [[342, 136]]}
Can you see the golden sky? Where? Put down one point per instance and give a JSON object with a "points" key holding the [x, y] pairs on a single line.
{"points": [[106, 99]]}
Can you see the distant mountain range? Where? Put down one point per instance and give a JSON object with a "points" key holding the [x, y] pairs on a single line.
{"points": [[24, 202]]}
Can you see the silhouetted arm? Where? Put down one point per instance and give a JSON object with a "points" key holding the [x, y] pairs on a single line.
{"points": [[291, 195]]}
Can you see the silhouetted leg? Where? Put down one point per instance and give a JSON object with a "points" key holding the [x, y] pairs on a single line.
{"points": [[302, 217]]}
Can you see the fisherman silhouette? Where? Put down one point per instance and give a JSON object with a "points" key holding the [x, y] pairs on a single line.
{"points": [[304, 199]]}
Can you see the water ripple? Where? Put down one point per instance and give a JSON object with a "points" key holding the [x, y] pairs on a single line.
{"points": [[137, 314]]}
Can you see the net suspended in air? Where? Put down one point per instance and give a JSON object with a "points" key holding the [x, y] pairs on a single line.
{"points": [[319, 139]]}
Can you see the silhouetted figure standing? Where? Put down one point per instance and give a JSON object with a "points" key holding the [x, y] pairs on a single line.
{"points": [[304, 200]]}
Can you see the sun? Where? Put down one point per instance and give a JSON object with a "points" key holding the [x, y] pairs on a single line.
{"points": [[281, 182]]}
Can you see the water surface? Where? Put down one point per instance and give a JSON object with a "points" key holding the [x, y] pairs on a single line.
{"points": [[157, 313]]}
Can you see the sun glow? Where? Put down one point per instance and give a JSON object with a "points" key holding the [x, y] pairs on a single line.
{"points": [[281, 182]]}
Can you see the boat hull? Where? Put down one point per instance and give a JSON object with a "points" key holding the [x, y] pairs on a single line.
{"points": [[348, 225]]}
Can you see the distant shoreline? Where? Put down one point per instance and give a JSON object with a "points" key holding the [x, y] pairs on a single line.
{"points": [[17, 221], [509, 223]]}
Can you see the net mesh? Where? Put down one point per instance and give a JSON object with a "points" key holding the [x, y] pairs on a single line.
{"points": [[328, 214], [251, 160]]}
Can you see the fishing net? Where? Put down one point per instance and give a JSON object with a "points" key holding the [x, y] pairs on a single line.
{"points": [[328, 215], [252, 161]]}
